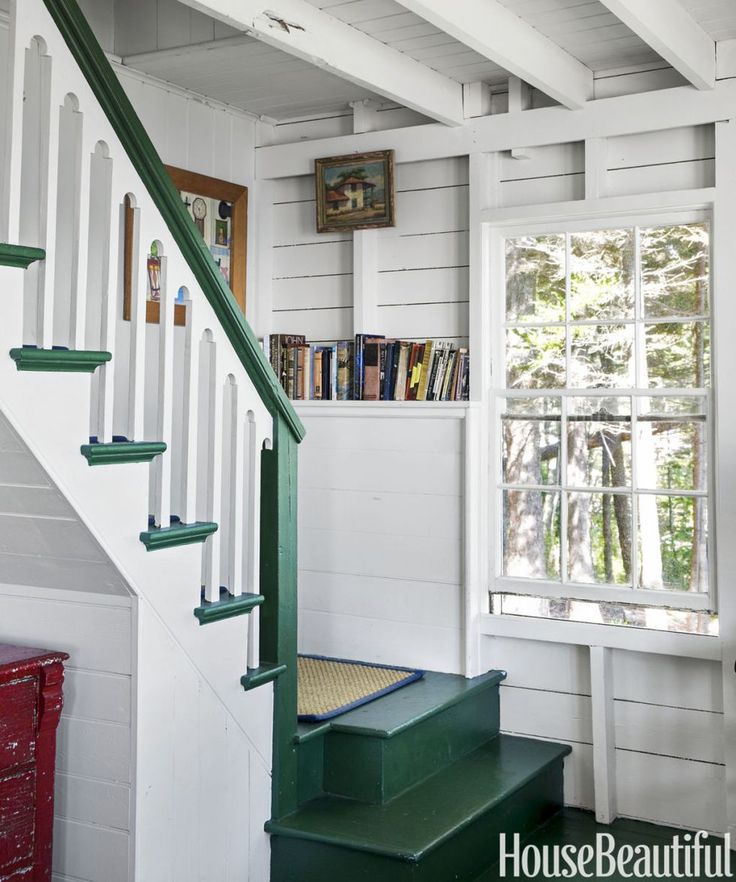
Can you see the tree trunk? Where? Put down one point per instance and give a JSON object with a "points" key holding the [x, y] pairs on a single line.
{"points": [[699, 550], [607, 442], [524, 547], [580, 552], [621, 503]]}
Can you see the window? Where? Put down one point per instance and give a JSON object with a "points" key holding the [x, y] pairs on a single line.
{"points": [[603, 427]]}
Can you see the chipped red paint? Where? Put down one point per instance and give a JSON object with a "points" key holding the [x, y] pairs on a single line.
{"points": [[30, 706]]}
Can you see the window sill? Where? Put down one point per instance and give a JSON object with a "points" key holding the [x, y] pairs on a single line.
{"points": [[611, 636]]}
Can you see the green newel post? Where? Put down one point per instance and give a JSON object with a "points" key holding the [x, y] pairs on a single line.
{"points": [[279, 611]]}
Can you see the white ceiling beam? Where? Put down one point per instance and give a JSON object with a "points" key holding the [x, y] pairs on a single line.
{"points": [[673, 33], [497, 33], [303, 30]]}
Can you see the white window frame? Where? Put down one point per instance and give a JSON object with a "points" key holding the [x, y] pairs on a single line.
{"points": [[495, 235]]}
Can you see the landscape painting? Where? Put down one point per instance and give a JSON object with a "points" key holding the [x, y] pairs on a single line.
{"points": [[355, 192]]}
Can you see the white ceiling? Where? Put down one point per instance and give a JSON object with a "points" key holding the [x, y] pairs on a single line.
{"points": [[263, 80]]}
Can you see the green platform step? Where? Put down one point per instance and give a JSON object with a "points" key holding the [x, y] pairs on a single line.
{"points": [[20, 256], [381, 749], [29, 358], [116, 452], [445, 828]]}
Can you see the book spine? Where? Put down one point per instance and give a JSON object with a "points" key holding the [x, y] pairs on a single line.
{"points": [[317, 374], [371, 364], [426, 367]]}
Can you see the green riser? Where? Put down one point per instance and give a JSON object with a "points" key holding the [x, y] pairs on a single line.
{"points": [[459, 859], [375, 770]]}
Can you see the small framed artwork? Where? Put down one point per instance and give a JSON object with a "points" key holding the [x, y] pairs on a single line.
{"points": [[219, 210], [355, 192]]}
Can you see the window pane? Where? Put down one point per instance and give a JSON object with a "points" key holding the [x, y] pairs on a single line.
{"points": [[673, 551], [531, 534], [674, 270], [678, 355], [531, 440], [535, 279], [602, 274], [599, 442], [535, 358], [671, 450], [601, 612], [599, 538], [602, 356]]}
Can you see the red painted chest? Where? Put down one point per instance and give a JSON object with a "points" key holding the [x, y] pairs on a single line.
{"points": [[30, 706]]}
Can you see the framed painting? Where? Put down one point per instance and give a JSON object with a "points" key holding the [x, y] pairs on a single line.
{"points": [[355, 192], [219, 210]]}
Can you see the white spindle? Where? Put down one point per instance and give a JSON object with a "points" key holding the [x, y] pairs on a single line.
{"points": [[235, 495], [162, 464], [252, 555], [49, 209], [80, 292], [139, 284], [190, 418], [211, 561], [10, 180], [96, 294], [254, 638], [111, 295]]}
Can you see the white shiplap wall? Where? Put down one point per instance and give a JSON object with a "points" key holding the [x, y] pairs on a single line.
{"points": [[58, 590], [355, 597]]}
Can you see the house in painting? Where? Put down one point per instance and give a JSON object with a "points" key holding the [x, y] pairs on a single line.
{"points": [[350, 639]]}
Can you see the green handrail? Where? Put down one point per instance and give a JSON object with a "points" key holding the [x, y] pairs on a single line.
{"points": [[140, 150]]}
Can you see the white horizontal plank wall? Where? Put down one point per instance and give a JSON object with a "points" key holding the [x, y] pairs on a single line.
{"points": [[94, 764], [380, 508], [58, 590], [668, 716]]}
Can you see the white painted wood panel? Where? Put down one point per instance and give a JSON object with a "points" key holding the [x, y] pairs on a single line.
{"points": [[671, 791], [328, 325], [422, 251], [318, 291], [90, 852]]}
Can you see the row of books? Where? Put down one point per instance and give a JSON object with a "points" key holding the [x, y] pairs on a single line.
{"points": [[370, 368]]}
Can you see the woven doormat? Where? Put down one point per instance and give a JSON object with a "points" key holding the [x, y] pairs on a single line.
{"points": [[332, 686]]}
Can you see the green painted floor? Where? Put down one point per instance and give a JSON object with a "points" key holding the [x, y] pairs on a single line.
{"points": [[576, 827]]}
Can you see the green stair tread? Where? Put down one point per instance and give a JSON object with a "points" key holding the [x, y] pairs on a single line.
{"points": [[397, 711], [29, 358], [266, 673], [20, 256], [109, 453], [438, 808], [227, 607], [179, 534]]}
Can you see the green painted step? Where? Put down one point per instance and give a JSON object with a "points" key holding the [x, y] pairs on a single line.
{"points": [[578, 827], [445, 828], [383, 748], [109, 453], [178, 534], [29, 358], [226, 607], [266, 673], [21, 256]]}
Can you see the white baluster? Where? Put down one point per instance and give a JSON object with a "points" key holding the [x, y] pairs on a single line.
{"points": [[162, 464], [49, 219], [213, 490], [235, 494], [80, 293], [254, 638], [10, 174], [190, 418], [97, 271], [138, 297]]}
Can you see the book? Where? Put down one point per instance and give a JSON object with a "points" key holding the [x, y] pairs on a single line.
{"points": [[370, 368]]}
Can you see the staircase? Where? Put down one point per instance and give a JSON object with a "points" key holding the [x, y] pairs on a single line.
{"points": [[175, 444], [415, 786]]}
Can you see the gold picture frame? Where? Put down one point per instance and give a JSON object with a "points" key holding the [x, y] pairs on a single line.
{"points": [[355, 192]]}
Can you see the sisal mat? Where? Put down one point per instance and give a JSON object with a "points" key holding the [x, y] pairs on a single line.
{"points": [[332, 686]]}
